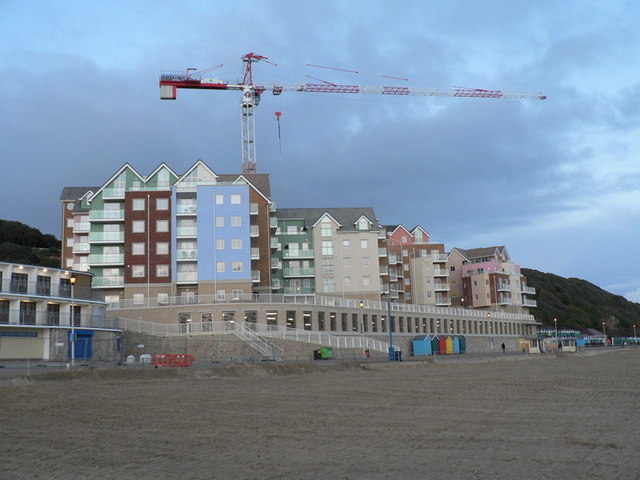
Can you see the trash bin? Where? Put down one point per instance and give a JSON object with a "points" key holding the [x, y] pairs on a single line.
{"points": [[326, 353]]}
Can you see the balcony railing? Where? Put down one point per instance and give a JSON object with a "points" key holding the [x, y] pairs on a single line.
{"points": [[439, 257], [56, 319], [299, 272], [297, 253], [186, 209], [81, 248], [187, 254], [439, 286], [106, 236], [112, 281], [440, 272], [187, 231], [529, 290], [106, 214], [274, 244], [384, 270], [527, 302], [187, 276], [276, 264], [273, 222], [81, 227], [503, 286], [106, 259], [382, 252], [39, 289]]}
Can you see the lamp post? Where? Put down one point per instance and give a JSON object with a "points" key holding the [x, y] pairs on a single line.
{"points": [[555, 322], [635, 339], [604, 330], [362, 324], [392, 352], [490, 331], [72, 280]]}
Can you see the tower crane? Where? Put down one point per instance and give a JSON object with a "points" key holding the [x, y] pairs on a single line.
{"points": [[170, 82]]}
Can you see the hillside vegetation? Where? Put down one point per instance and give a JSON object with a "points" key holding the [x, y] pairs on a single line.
{"points": [[578, 304], [20, 243]]}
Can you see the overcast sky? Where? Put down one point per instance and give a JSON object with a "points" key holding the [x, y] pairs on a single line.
{"points": [[556, 181]]}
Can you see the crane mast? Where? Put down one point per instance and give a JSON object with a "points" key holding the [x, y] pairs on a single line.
{"points": [[170, 82]]}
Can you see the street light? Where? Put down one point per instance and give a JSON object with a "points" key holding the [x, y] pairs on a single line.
{"points": [[635, 339], [362, 325], [392, 354], [72, 280], [490, 331], [604, 330], [555, 321]]}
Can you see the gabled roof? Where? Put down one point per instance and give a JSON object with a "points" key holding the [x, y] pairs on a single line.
{"points": [[325, 215], [160, 167], [398, 227], [418, 227], [473, 253], [124, 167], [74, 193], [346, 217], [199, 163], [259, 181]]}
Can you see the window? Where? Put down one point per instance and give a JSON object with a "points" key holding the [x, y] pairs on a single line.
{"points": [[253, 208], [236, 199], [364, 243], [163, 298], [162, 204], [162, 248], [236, 266], [236, 293], [220, 244], [329, 284], [220, 267], [327, 247], [255, 253], [345, 243], [365, 280], [404, 239], [327, 266], [138, 299], [137, 226], [346, 262], [162, 270], [219, 199], [325, 229], [365, 261], [219, 221], [138, 204], [347, 281], [137, 248], [162, 226], [236, 243], [220, 295], [137, 271], [236, 221], [363, 224]]}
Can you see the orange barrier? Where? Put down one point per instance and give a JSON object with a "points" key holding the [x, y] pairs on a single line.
{"points": [[168, 360]]}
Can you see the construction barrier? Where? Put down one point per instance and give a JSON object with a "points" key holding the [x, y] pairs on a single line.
{"points": [[168, 360]]}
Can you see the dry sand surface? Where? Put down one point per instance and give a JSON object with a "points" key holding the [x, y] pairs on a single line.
{"points": [[561, 416]]}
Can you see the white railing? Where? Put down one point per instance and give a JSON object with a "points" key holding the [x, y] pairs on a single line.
{"points": [[321, 300], [253, 332]]}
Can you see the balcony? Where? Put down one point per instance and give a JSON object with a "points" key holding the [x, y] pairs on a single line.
{"points": [[274, 244], [273, 223], [107, 282], [276, 264], [384, 270], [187, 277], [81, 248], [107, 259], [299, 272], [443, 300], [382, 252], [106, 215], [440, 272], [117, 192], [438, 257], [186, 209], [81, 227], [441, 286], [393, 293], [187, 254], [527, 302], [503, 287], [297, 253], [505, 300], [276, 283], [187, 232], [528, 290], [106, 237]]}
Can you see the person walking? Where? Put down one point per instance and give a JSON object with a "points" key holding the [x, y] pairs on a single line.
{"points": [[503, 347]]}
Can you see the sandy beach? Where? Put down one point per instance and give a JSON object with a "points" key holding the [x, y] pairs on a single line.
{"points": [[567, 416]]}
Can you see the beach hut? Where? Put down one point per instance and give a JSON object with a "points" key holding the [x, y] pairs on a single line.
{"points": [[456, 345], [435, 345], [463, 343], [421, 345]]}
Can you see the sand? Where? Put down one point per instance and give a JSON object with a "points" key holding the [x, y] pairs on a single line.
{"points": [[566, 416]]}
